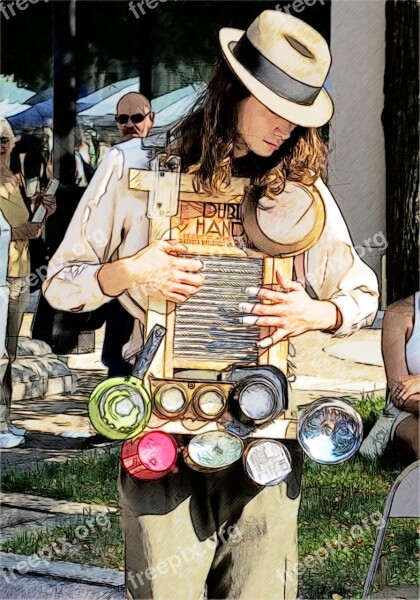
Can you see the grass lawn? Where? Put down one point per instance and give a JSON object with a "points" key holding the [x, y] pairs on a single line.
{"points": [[86, 479], [337, 525]]}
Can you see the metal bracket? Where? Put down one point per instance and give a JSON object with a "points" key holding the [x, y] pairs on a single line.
{"points": [[164, 195]]}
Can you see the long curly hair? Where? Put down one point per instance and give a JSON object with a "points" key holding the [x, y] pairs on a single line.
{"points": [[206, 137]]}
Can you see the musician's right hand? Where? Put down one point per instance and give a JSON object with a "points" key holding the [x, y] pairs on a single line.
{"points": [[163, 273]]}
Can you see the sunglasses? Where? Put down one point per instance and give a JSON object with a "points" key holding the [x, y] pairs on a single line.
{"points": [[138, 118], [4, 140]]}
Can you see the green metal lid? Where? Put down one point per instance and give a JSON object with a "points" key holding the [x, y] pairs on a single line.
{"points": [[120, 407]]}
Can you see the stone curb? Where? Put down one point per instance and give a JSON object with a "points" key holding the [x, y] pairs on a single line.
{"points": [[38, 524], [50, 505], [62, 570]]}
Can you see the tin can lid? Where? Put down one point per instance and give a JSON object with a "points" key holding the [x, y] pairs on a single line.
{"points": [[267, 462], [157, 450], [257, 400], [131, 462], [215, 449], [173, 400], [211, 402], [119, 407]]}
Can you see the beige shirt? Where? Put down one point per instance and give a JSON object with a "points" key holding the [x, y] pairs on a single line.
{"points": [[110, 222], [15, 212]]}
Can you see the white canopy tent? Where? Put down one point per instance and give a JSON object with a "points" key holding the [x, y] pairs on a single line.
{"points": [[175, 105], [7, 109], [11, 92], [163, 102], [168, 108], [94, 98], [104, 110]]}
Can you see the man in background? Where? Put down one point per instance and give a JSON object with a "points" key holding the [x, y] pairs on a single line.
{"points": [[134, 116], [134, 120]]}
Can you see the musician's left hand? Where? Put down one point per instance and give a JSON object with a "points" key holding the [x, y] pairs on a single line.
{"points": [[289, 309]]}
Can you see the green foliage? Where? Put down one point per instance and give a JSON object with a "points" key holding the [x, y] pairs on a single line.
{"points": [[90, 479], [370, 407], [85, 540], [339, 513]]}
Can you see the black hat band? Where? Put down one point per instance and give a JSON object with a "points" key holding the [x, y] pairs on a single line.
{"points": [[273, 77]]}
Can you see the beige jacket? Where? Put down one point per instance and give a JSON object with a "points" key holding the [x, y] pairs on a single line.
{"points": [[15, 212], [110, 222]]}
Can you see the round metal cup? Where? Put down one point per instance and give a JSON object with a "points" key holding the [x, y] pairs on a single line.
{"points": [[120, 407], [209, 402], [213, 451], [254, 402], [150, 456], [267, 462], [170, 400], [330, 430]]}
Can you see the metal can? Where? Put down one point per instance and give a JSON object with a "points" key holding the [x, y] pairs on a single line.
{"points": [[170, 400], [209, 402], [213, 451], [267, 462], [259, 396], [120, 407], [150, 456], [330, 430]]}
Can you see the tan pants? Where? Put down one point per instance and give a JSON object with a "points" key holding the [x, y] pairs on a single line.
{"points": [[219, 532], [18, 300]]}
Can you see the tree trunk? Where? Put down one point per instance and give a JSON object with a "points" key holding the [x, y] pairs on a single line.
{"points": [[64, 41], [400, 120], [145, 54]]}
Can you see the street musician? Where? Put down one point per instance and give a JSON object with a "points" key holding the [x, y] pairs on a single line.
{"points": [[259, 120]]}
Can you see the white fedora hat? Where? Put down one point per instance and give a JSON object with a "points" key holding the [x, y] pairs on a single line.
{"points": [[284, 63]]}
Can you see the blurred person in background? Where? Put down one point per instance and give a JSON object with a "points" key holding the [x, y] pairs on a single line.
{"points": [[85, 157], [61, 329], [105, 143], [92, 144], [401, 352], [398, 423], [48, 142], [134, 117], [134, 120], [18, 215], [28, 159]]}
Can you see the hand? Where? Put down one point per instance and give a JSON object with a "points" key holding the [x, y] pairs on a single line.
{"points": [[29, 231], [406, 390], [48, 201], [290, 310], [163, 273], [50, 204]]}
